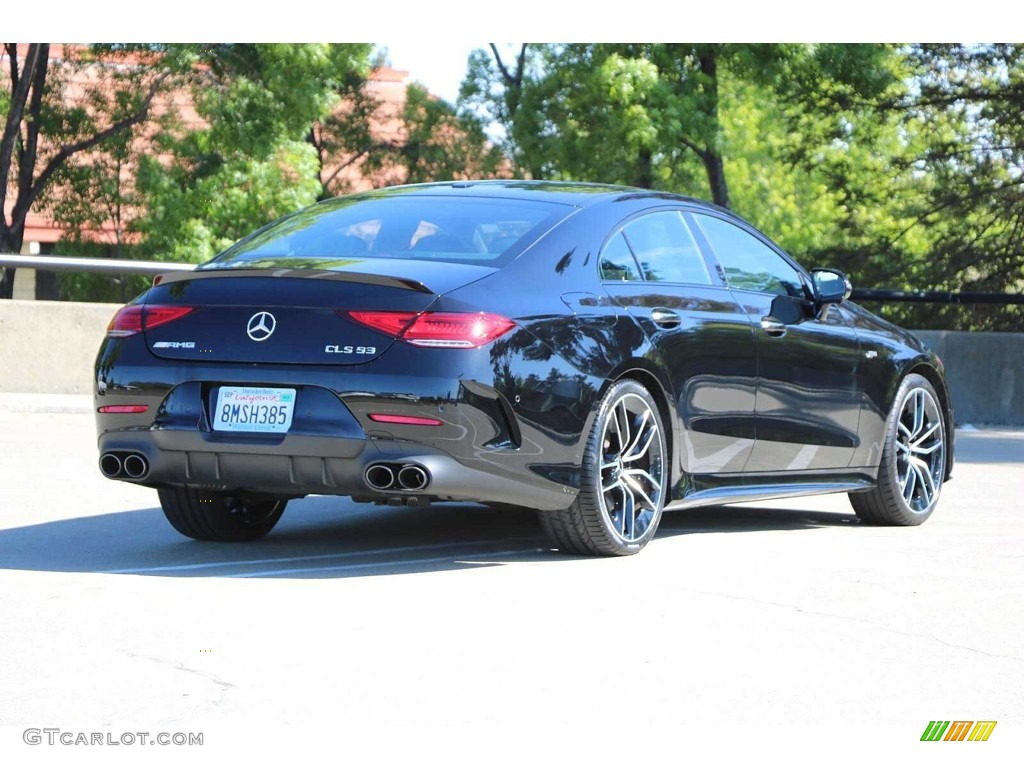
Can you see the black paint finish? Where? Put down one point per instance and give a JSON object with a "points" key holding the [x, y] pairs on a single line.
{"points": [[751, 413]]}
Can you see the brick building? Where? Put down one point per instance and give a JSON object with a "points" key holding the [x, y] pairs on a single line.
{"points": [[42, 234]]}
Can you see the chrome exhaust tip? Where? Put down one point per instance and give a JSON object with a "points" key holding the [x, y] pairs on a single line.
{"points": [[413, 478], [379, 477], [110, 465], [136, 466]]}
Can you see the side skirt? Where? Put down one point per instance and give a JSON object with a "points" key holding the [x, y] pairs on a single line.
{"points": [[735, 494]]}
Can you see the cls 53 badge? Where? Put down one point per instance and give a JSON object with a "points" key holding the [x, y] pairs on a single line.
{"points": [[337, 349]]}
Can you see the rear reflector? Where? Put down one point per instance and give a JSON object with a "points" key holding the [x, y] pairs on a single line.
{"points": [[123, 408], [460, 330], [135, 318], [394, 418]]}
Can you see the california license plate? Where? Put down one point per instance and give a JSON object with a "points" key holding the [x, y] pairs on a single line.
{"points": [[254, 409]]}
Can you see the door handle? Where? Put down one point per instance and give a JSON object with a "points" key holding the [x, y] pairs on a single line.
{"points": [[773, 327], [665, 318]]}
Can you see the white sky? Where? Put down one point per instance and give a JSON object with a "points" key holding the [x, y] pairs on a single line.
{"points": [[440, 33], [439, 68], [434, 39]]}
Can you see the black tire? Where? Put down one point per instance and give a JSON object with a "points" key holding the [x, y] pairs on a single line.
{"points": [[603, 519], [913, 462], [217, 516]]}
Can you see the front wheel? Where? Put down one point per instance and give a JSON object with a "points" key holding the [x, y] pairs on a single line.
{"points": [[219, 516], [913, 462], [623, 482]]}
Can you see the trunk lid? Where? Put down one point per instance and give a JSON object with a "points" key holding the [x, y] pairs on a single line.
{"points": [[294, 316]]}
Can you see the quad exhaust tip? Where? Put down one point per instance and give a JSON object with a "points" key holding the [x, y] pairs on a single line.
{"points": [[110, 465], [121, 466], [412, 478], [379, 477], [396, 477], [135, 466]]}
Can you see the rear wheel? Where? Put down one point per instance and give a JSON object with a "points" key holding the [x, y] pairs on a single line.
{"points": [[623, 483], [218, 516], [913, 461]]}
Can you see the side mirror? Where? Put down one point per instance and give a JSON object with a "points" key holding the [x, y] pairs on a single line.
{"points": [[830, 286]]}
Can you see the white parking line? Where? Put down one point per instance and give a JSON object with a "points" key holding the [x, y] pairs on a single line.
{"points": [[335, 555], [455, 559]]}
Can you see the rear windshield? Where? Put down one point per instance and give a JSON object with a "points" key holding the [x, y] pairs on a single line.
{"points": [[338, 232]]}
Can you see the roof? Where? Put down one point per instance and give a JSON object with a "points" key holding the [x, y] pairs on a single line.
{"points": [[565, 192]]}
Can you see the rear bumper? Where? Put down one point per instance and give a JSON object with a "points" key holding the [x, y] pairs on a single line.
{"points": [[330, 466], [498, 442]]}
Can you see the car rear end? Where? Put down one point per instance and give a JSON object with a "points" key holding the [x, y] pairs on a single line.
{"points": [[283, 368]]}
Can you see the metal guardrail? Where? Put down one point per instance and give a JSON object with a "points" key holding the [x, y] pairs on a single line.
{"points": [[936, 297], [107, 266], [126, 266]]}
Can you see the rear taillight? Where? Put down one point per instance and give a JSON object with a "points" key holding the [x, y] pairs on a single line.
{"points": [[391, 323], [135, 318], [461, 330]]}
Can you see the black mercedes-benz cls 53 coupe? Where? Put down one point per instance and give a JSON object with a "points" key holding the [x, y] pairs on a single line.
{"points": [[599, 354]]}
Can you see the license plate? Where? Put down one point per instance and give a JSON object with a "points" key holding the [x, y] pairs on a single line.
{"points": [[254, 409]]}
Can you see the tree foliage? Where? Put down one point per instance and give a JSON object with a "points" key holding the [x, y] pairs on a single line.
{"points": [[251, 160], [46, 132], [265, 129], [899, 164], [902, 164], [645, 114], [438, 143]]}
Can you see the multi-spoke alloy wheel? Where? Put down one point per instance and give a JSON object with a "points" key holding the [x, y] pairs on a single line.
{"points": [[624, 482], [920, 453], [631, 468], [913, 461]]}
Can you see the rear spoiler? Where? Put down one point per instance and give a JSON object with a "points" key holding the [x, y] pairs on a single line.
{"points": [[318, 274]]}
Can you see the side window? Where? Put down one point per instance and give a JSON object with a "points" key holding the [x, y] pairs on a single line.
{"points": [[666, 250], [617, 262], [749, 264]]}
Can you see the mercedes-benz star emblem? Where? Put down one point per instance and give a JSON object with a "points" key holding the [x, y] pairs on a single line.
{"points": [[261, 326]]}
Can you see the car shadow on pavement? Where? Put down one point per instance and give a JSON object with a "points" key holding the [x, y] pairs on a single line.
{"points": [[726, 519], [321, 537]]}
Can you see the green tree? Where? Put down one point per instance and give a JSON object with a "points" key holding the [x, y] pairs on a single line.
{"points": [[437, 143], [929, 180], [96, 202], [644, 114], [346, 136], [253, 160], [275, 125], [970, 108], [45, 134]]}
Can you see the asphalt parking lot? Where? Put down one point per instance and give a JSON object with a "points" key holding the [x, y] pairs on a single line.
{"points": [[457, 616]]}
